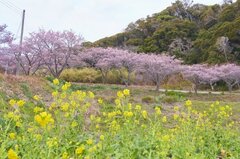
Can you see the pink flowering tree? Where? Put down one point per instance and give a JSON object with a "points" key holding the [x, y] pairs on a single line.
{"points": [[158, 67], [54, 48], [210, 76], [7, 59], [230, 74], [30, 59], [5, 36], [99, 58], [197, 74], [129, 61]]}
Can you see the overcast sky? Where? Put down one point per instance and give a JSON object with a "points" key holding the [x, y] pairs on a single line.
{"points": [[93, 19]]}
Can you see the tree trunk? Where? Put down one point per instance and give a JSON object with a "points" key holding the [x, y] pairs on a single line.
{"points": [[157, 86], [195, 88], [229, 87], [128, 79], [6, 70], [212, 86]]}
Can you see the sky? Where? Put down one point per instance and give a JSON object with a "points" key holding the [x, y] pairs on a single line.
{"points": [[93, 19]]}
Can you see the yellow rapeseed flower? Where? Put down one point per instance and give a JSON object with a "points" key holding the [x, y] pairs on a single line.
{"points": [[65, 87], [188, 103], [10, 115], [18, 124], [36, 97], [55, 93], [20, 103], [38, 137], [12, 154], [176, 108], [79, 150], [166, 138], [158, 111], [120, 94], [138, 107], [102, 137], [127, 114], [65, 155], [175, 116], [129, 106], [65, 107], [56, 81], [44, 119], [74, 124], [51, 142], [164, 119], [89, 141], [37, 109], [117, 102], [91, 94], [12, 102], [12, 135], [100, 101], [144, 114], [126, 92]]}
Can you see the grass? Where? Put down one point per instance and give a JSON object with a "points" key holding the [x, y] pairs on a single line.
{"points": [[26, 90]]}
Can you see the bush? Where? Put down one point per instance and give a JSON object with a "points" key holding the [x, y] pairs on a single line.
{"points": [[85, 75], [91, 75], [169, 99], [148, 99]]}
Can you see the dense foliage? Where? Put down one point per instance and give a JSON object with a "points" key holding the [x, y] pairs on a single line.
{"points": [[78, 125], [194, 32]]}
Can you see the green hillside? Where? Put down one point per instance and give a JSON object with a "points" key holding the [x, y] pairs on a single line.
{"points": [[196, 33]]}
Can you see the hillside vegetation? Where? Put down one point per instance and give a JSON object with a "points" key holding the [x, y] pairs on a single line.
{"points": [[196, 33]]}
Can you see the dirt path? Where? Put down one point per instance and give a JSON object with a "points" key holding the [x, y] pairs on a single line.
{"points": [[161, 90]]}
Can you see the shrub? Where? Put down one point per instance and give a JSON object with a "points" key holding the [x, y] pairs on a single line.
{"points": [[169, 99], [148, 99], [85, 75]]}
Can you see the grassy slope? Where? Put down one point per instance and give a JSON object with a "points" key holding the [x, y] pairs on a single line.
{"points": [[26, 87], [149, 98]]}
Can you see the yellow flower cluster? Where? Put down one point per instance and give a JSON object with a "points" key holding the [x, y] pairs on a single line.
{"points": [[44, 119], [12, 154], [18, 103]]}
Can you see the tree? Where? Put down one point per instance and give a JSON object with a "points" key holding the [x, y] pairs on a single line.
{"points": [[158, 67], [6, 60], [55, 48], [129, 61], [99, 58], [196, 74], [211, 76], [223, 45], [181, 9], [5, 36], [230, 74]]}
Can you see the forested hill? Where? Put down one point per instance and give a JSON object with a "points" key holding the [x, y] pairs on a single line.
{"points": [[196, 33]]}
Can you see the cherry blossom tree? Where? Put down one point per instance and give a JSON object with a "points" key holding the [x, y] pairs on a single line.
{"points": [[197, 75], [210, 76], [129, 61], [230, 74], [158, 67], [99, 58], [5, 36], [55, 48], [30, 59], [6, 60]]}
